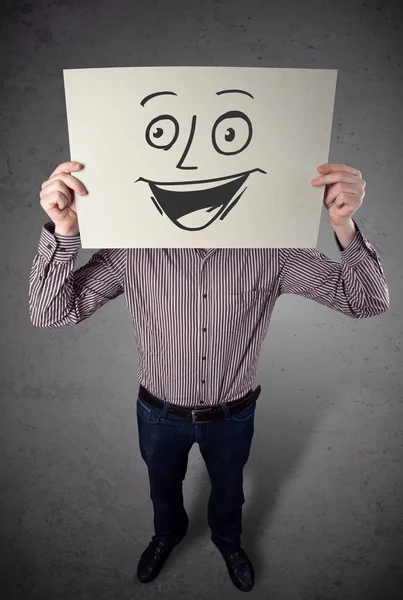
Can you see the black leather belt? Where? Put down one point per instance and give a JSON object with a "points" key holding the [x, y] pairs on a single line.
{"points": [[205, 414]]}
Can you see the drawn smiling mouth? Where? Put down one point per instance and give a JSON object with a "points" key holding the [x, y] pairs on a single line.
{"points": [[195, 205]]}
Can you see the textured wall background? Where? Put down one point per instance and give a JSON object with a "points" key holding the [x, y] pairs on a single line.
{"points": [[323, 486]]}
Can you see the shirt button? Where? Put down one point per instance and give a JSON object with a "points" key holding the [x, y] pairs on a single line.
{"points": [[49, 247], [203, 381], [204, 295], [64, 249], [204, 328], [203, 358]]}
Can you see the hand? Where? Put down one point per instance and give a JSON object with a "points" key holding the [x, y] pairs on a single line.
{"points": [[344, 192], [57, 198]]}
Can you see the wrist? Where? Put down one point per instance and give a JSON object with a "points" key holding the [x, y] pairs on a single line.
{"points": [[345, 227], [345, 232], [66, 232]]}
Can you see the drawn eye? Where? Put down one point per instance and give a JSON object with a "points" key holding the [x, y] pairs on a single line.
{"points": [[231, 133], [162, 132]]}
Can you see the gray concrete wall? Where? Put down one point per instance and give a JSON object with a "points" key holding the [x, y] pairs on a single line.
{"points": [[323, 486]]}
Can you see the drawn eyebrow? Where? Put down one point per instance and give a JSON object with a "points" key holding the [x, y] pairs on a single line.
{"points": [[234, 91], [147, 98]]}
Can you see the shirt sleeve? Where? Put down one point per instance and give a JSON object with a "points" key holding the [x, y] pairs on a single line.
{"points": [[60, 296], [355, 286]]}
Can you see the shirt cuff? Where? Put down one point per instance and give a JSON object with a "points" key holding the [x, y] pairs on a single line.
{"points": [[61, 248], [358, 248]]}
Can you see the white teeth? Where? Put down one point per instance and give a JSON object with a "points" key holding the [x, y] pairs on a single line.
{"points": [[193, 187]]}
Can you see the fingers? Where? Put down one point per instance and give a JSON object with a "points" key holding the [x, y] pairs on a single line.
{"points": [[68, 180], [53, 199], [338, 176], [56, 185], [331, 168], [67, 167], [59, 189], [61, 200], [338, 189], [56, 193]]}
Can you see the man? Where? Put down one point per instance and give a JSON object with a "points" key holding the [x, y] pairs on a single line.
{"points": [[200, 317]]}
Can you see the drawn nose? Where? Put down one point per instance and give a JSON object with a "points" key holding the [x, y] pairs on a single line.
{"points": [[180, 164]]}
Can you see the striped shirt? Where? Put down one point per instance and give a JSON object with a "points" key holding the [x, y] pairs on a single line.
{"points": [[199, 318]]}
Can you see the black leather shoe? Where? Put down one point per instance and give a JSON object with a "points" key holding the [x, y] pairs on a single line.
{"points": [[240, 569], [152, 560]]}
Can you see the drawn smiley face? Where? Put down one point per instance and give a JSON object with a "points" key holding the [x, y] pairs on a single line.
{"points": [[196, 204]]}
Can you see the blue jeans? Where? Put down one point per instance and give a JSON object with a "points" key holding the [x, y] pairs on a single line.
{"points": [[165, 442]]}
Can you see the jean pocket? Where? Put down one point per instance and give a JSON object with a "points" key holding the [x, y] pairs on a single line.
{"points": [[246, 413], [147, 413]]}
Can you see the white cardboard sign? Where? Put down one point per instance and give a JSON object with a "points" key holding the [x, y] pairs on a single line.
{"points": [[205, 157]]}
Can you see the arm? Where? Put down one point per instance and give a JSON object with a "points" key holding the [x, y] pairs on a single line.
{"points": [[60, 296], [355, 287]]}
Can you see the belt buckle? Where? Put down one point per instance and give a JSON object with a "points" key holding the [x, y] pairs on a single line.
{"points": [[194, 415]]}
